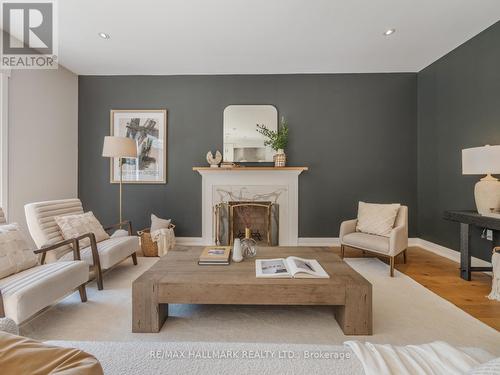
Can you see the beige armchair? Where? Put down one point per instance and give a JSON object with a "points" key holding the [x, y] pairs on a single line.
{"points": [[389, 247], [98, 256], [25, 293]]}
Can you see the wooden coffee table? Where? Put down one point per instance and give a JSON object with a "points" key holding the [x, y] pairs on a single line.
{"points": [[177, 278]]}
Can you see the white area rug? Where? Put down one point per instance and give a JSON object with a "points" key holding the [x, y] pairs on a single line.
{"points": [[148, 358], [404, 313]]}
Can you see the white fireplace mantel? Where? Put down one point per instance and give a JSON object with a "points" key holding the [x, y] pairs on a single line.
{"points": [[247, 183]]}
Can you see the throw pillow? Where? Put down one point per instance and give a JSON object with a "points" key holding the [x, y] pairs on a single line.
{"points": [[16, 255], [376, 218], [158, 223], [72, 226], [8, 325]]}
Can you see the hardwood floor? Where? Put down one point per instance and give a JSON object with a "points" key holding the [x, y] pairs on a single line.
{"points": [[441, 276]]}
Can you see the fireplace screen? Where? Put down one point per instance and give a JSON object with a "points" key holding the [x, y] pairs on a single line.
{"points": [[239, 218]]}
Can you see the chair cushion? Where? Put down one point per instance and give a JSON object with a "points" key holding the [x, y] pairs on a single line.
{"points": [[29, 291], [15, 253], [72, 226], [376, 218], [111, 251], [366, 241]]}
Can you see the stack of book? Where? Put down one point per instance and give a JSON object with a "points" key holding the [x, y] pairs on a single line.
{"points": [[215, 256]]}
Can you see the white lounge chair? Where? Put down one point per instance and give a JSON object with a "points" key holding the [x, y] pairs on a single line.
{"points": [[99, 256], [25, 293]]}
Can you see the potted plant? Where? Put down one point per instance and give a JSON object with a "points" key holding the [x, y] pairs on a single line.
{"points": [[277, 140]]}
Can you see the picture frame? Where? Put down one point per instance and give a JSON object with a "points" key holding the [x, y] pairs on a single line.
{"points": [[148, 127]]}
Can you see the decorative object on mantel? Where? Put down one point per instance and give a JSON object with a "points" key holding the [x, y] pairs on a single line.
{"points": [[484, 160], [214, 161], [495, 283], [148, 129], [280, 158], [278, 140], [228, 164]]}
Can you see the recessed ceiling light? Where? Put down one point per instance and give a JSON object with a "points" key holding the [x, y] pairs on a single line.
{"points": [[104, 35], [389, 32]]}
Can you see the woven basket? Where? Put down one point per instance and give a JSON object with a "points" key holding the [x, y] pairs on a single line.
{"points": [[148, 246]]}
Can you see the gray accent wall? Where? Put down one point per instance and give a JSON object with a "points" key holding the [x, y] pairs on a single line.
{"points": [[458, 107], [356, 132]]}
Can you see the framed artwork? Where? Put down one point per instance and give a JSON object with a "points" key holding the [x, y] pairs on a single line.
{"points": [[148, 128]]}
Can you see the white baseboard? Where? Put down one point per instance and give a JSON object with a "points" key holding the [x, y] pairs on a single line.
{"points": [[189, 241], [445, 251], [334, 241]]}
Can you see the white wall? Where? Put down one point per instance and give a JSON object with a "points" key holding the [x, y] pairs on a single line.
{"points": [[43, 138]]}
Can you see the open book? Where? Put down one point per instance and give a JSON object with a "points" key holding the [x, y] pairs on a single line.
{"points": [[291, 267]]}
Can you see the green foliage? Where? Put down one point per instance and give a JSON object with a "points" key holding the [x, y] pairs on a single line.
{"points": [[276, 139]]}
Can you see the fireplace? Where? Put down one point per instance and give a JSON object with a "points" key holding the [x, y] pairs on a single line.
{"points": [[237, 219], [250, 184]]}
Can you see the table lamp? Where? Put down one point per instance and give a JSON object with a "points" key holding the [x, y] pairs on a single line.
{"points": [[119, 147], [484, 160]]}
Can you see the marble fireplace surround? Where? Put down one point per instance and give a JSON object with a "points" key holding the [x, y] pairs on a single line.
{"points": [[277, 185]]}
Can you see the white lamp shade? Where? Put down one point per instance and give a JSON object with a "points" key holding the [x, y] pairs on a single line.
{"points": [[481, 160], [119, 147]]}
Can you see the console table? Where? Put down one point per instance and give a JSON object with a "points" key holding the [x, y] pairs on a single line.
{"points": [[466, 219]]}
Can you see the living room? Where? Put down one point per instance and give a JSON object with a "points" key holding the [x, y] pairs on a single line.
{"points": [[256, 187]]}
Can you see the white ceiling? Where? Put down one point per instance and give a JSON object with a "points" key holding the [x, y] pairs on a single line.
{"points": [[264, 36]]}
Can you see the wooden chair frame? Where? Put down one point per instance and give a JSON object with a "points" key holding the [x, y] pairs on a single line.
{"points": [[95, 252]]}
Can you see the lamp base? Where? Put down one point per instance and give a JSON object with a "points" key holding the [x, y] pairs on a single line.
{"points": [[487, 195]]}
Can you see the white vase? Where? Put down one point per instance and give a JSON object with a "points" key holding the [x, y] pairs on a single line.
{"points": [[237, 252]]}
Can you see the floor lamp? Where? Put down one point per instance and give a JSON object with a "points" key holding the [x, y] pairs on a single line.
{"points": [[119, 147]]}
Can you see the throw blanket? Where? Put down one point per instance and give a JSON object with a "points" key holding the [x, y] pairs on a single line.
{"points": [[165, 240], [436, 358], [495, 283]]}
